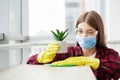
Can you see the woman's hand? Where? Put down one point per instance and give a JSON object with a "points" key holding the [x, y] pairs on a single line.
{"points": [[49, 54], [78, 61]]}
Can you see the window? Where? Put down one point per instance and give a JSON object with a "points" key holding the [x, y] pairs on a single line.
{"points": [[46, 15]]}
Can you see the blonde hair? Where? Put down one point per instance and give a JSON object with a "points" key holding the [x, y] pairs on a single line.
{"points": [[94, 20]]}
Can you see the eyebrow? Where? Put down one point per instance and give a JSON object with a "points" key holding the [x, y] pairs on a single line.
{"points": [[86, 30], [90, 30]]}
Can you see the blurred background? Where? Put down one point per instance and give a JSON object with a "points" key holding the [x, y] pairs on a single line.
{"points": [[25, 25]]}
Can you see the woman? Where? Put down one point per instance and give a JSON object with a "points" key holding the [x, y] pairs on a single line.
{"points": [[91, 50]]}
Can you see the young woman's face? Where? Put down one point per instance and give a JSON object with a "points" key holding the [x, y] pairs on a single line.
{"points": [[85, 30]]}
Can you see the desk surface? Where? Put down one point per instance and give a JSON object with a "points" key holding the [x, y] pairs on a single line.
{"points": [[45, 72]]}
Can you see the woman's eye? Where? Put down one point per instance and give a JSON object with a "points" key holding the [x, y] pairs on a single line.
{"points": [[80, 31], [90, 32]]}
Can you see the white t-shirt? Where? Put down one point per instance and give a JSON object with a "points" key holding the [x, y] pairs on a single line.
{"points": [[93, 56]]}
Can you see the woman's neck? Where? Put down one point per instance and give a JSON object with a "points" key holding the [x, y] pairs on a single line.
{"points": [[89, 52]]}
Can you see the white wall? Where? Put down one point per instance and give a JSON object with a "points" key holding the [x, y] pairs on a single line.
{"points": [[4, 26], [113, 19], [15, 29], [11, 25]]}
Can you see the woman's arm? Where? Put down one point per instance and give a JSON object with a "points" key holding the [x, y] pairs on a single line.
{"points": [[59, 56], [33, 59], [110, 64], [71, 52]]}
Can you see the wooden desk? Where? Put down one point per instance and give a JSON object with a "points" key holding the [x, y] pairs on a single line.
{"points": [[45, 72]]}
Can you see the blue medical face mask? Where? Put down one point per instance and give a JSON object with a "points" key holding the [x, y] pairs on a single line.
{"points": [[86, 42]]}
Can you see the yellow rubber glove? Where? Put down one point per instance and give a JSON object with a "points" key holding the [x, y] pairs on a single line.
{"points": [[49, 54], [78, 61]]}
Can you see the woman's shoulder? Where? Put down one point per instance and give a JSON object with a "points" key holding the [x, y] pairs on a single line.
{"points": [[108, 50], [111, 49]]}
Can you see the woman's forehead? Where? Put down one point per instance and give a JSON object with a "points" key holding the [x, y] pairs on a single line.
{"points": [[85, 26]]}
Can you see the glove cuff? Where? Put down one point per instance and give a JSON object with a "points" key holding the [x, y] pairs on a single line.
{"points": [[96, 65]]}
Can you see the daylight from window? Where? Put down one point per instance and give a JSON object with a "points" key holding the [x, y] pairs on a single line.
{"points": [[46, 15]]}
